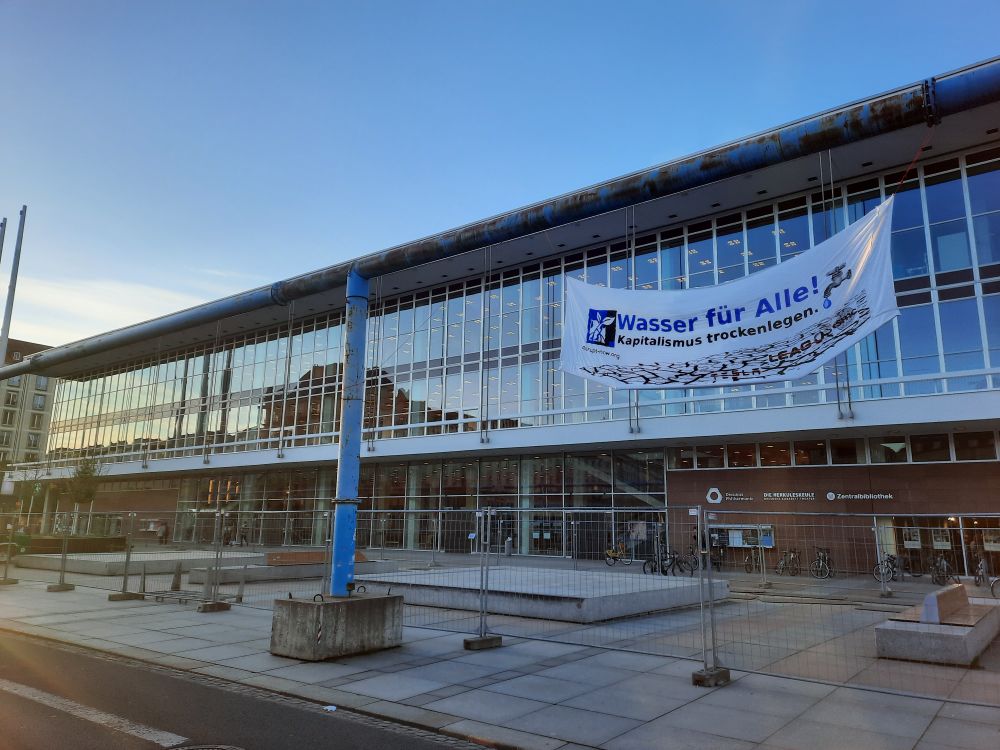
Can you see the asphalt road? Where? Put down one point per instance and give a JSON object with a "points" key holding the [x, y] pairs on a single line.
{"points": [[54, 696]]}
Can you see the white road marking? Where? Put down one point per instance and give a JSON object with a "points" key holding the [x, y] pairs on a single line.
{"points": [[117, 723]]}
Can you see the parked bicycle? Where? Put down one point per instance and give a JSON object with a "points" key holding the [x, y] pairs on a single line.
{"points": [[980, 577], [822, 566], [886, 569], [669, 563], [788, 564], [751, 563], [693, 560], [618, 554], [941, 571]]}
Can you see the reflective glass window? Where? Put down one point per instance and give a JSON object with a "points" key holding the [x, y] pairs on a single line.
{"points": [[647, 271], [775, 454], [960, 334], [672, 263], [793, 233], [680, 458], [975, 446], [918, 345], [638, 472], [809, 452], [890, 449], [991, 310], [847, 451], [700, 259], [710, 456], [929, 448], [761, 243], [944, 197]]}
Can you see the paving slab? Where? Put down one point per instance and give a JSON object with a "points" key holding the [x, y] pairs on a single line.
{"points": [[392, 687], [486, 706], [492, 735]]}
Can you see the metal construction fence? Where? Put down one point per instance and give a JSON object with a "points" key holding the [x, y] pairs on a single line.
{"points": [[792, 594]]}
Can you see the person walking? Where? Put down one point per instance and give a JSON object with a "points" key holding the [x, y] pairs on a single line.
{"points": [[243, 534]]}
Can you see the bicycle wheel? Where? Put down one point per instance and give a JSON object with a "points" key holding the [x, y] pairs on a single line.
{"points": [[779, 568], [649, 567], [627, 560], [994, 588], [882, 572], [748, 564], [819, 569], [938, 577], [609, 559], [793, 568]]}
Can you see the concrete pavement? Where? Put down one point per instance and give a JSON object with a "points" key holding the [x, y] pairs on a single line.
{"points": [[529, 694]]}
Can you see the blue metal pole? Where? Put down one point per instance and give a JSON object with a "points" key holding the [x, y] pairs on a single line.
{"points": [[352, 400]]}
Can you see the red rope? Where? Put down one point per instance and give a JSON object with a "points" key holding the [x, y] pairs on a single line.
{"points": [[920, 148]]}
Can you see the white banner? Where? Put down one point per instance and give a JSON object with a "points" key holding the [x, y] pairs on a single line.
{"points": [[780, 324]]}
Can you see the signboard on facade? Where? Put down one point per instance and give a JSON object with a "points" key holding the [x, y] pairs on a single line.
{"points": [[779, 324], [991, 540], [941, 538]]}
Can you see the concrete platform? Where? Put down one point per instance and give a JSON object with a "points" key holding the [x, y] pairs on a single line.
{"points": [[567, 595], [113, 563]]}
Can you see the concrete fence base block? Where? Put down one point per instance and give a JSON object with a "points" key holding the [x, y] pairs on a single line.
{"points": [[479, 643], [314, 631], [711, 677], [7, 581], [60, 587], [126, 596], [214, 607]]}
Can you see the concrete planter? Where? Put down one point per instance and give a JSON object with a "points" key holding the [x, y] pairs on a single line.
{"points": [[314, 631]]}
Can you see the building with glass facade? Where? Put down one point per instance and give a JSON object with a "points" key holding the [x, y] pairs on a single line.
{"points": [[466, 405]]}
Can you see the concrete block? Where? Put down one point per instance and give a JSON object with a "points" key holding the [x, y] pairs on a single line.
{"points": [[60, 587], [124, 597], [214, 607], [314, 631], [711, 677], [7, 581], [941, 644], [481, 643]]}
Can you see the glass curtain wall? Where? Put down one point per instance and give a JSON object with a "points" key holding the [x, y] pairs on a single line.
{"points": [[484, 353]]}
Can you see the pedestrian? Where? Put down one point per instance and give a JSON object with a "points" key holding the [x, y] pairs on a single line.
{"points": [[243, 534], [161, 533]]}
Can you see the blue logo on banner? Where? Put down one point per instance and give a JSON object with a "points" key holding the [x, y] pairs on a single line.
{"points": [[601, 327]]}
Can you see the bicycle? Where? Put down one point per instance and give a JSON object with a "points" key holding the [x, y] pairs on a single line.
{"points": [[618, 554], [751, 563], [789, 563], [941, 572], [691, 559], [980, 576], [886, 569], [822, 566]]}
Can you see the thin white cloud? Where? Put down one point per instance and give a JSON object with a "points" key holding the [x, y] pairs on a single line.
{"points": [[55, 311]]}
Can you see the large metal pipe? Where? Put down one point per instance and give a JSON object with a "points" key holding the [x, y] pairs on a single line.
{"points": [[928, 101], [352, 404]]}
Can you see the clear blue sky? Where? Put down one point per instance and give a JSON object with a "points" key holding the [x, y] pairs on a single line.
{"points": [[173, 152]]}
